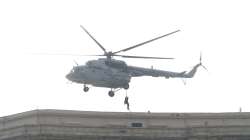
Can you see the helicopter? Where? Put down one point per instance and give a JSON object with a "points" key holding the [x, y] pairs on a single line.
{"points": [[116, 74]]}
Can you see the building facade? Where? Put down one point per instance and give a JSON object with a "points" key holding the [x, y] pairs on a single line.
{"points": [[82, 125]]}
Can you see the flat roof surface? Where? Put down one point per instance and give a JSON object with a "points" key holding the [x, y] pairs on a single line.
{"points": [[131, 114]]}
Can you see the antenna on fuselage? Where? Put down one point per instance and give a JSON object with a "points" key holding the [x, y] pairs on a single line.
{"points": [[76, 63]]}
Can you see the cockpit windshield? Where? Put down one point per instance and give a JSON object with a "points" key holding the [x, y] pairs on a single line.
{"points": [[75, 69], [89, 63]]}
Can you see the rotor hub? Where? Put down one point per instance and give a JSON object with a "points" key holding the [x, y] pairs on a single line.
{"points": [[109, 54]]}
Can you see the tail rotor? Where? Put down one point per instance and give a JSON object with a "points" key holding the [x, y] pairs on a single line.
{"points": [[201, 62]]}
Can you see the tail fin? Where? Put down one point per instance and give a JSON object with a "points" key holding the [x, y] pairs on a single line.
{"points": [[192, 72]]}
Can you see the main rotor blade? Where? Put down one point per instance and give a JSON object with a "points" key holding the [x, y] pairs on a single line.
{"points": [[140, 44], [143, 57], [94, 39], [64, 54]]}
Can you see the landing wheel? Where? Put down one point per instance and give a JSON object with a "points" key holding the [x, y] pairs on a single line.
{"points": [[111, 93], [126, 86], [85, 88]]}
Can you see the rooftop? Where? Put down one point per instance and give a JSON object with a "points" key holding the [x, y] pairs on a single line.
{"points": [[60, 123]]}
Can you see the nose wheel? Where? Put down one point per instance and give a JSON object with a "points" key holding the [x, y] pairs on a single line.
{"points": [[111, 93], [85, 88]]}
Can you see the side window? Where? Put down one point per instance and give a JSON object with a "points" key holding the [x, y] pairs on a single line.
{"points": [[89, 64], [136, 124]]}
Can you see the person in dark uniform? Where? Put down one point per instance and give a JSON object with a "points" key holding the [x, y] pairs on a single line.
{"points": [[126, 102]]}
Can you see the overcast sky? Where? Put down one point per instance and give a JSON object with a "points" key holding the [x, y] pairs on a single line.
{"points": [[220, 29]]}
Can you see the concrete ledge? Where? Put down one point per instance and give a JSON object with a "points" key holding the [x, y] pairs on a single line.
{"points": [[77, 125]]}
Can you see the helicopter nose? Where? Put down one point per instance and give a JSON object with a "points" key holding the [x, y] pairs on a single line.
{"points": [[69, 76]]}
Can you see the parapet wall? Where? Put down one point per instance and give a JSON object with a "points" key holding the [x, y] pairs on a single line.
{"points": [[79, 125]]}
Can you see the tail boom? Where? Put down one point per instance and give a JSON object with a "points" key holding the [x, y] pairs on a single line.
{"points": [[192, 72]]}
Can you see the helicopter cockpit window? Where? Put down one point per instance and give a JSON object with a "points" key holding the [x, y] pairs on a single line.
{"points": [[75, 69], [89, 64]]}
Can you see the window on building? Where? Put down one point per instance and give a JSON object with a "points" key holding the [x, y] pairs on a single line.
{"points": [[136, 124]]}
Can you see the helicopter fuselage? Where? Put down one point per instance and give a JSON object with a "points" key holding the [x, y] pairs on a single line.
{"points": [[112, 73], [101, 73]]}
